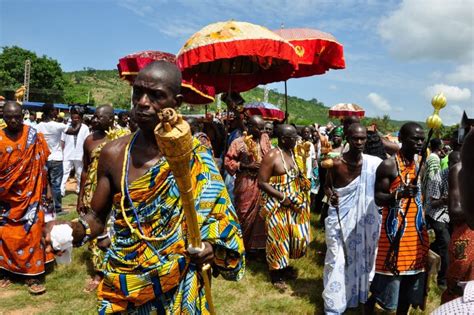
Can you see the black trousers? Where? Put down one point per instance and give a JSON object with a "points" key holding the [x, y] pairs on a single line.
{"points": [[440, 245]]}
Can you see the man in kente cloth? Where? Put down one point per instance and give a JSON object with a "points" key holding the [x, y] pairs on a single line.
{"points": [[352, 225], [285, 192], [461, 246], [23, 182], [104, 132], [403, 244], [243, 159], [147, 268]]}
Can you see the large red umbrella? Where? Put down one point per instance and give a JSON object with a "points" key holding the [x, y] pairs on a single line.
{"points": [[130, 65], [236, 56], [266, 110], [343, 110], [317, 51]]}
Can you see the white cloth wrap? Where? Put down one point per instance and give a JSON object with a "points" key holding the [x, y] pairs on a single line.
{"points": [[346, 286]]}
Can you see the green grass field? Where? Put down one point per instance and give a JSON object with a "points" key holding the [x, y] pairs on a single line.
{"points": [[252, 295]]}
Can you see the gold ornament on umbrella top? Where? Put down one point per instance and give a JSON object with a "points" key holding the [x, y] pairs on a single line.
{"points": [[174, 138]]}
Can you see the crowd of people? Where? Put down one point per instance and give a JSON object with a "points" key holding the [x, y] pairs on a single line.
{"points": [[256, 184]]}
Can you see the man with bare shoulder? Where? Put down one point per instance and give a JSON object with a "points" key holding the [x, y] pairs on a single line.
{"points": [[461, 247], [103, 123], [147, 268], [285, 206], [403, 244], [352, 226]]}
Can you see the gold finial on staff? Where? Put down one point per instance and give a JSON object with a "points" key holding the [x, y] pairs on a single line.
{"points": [[251, 146]]}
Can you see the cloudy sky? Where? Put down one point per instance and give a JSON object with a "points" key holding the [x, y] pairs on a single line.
{"points": [[398, 53]]}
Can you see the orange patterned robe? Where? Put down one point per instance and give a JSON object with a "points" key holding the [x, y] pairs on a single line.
{"points": [[22, 184], [410, 254]]}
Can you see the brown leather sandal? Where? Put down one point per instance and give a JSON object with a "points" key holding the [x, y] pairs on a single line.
{"points": [[5, 283], [280, 286], [35, 287], [92, 285]]}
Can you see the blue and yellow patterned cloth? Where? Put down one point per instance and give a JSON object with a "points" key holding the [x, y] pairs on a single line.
{"points": [[156, 277]]}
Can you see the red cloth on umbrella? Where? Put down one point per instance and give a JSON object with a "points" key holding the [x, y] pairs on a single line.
{"points": [[343, 110], [317, 51], [130, 65], [236, 56], [266, 110]]}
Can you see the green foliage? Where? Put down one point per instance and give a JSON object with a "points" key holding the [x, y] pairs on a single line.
{"points": [[99, 86], [446, 132], [46, 77]]}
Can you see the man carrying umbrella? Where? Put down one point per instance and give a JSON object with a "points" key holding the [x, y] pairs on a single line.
{"points": [[147, 267]]}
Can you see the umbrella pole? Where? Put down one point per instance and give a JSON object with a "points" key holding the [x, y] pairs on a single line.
{"points": [[286, 103]]}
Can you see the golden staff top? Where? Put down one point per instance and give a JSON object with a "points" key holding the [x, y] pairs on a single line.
{"points": [[175, 141], [252, 146], [438, 102]]}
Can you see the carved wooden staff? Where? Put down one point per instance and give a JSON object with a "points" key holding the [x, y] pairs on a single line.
{"points": [[174, 138]]}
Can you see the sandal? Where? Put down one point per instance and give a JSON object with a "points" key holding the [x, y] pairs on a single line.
{"points": [[92, 285], [35, 287], [280, 286], [5, 283]]}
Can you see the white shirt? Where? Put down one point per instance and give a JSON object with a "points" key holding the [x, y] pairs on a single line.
{"points": [[74, 144], [52, 132], [30, 123], [460, 306]]}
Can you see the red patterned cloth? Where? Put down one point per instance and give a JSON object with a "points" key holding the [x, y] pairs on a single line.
{"points": [[461, 262], [246, 191]]}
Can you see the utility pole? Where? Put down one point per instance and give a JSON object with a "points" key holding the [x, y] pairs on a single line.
{"points": [[26, 81], [265, 94]]}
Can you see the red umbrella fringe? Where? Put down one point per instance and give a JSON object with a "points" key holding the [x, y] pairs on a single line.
{"points": [[191, 94], [238, 65], [267, 114], [345, 113]]}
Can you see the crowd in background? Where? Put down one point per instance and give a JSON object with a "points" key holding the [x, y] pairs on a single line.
{"points": [[244, 146]]}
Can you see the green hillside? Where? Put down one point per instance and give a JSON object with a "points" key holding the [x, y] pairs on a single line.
{"points": [[105, 86]]}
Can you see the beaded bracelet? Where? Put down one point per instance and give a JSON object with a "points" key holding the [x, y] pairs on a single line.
{"points": [[87, 231], [102, 237], [283, 199]]}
